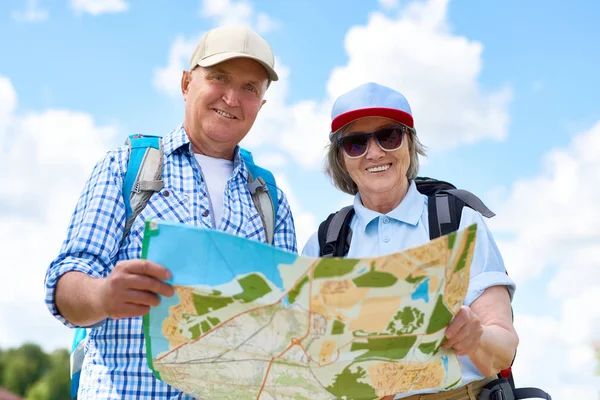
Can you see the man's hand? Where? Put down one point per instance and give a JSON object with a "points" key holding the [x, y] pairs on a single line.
{"points": [[464, 332], [132, 288]]}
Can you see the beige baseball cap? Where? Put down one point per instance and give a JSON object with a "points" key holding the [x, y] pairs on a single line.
{"points": [[227, 42]]}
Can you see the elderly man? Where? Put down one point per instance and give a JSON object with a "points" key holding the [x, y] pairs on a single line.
{"points": [[98, 280]]}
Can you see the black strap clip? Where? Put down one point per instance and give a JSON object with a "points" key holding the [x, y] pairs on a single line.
{"points": [[498, 389]]}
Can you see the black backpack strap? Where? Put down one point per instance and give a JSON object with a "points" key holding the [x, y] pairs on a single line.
{"points": [[501, 389], [335, 233], [445, 211], [322, 234], [472, 201], [531, 393]]}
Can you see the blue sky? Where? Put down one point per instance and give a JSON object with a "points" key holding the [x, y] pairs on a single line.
{"points": [[504, 94]]}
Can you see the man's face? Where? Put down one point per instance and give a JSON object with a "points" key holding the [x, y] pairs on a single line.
{"points": [[222, 103]]}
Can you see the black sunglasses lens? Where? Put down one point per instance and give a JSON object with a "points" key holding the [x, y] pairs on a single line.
{"points": [[355, 145], [389, 138]]}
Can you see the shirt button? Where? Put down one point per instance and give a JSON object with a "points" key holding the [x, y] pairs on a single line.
{"points": [[386, 239], [205, 213], [386, 220], [165, 193]]}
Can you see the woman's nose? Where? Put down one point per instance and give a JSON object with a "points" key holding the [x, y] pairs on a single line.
{"points": [[374, 152]]}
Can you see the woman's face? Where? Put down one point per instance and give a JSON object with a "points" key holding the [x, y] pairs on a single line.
{"points": [[378, 172]]}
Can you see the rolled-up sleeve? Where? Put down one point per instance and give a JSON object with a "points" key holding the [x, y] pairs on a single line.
{"points": [[487, 266], [285, 232], [95, 229]]}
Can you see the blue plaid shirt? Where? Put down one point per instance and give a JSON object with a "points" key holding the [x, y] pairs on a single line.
{"points": [[115, 364]]}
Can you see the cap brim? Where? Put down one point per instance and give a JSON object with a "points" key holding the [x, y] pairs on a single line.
{"points": [[397, 115], [221, 57]]}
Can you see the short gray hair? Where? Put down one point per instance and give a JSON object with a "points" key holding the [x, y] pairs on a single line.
{"points": [[334, 165]]}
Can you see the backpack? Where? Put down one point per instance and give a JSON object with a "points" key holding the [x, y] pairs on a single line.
{"points": [[445, 205], [142, 179]]}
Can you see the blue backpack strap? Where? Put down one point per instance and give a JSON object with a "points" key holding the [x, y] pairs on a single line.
{"points": [[263, 189], [76, 359], [139, 145], [268, 177], [143, 176]]}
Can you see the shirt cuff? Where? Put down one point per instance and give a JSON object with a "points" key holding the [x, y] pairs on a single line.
{"points": [[55, 272], [479, 283]]}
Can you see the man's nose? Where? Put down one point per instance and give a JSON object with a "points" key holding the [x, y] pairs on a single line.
{"points": [[230, 97]]}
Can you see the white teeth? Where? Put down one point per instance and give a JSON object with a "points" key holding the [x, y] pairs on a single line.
{"points": [[223, 113], [379, 169]]}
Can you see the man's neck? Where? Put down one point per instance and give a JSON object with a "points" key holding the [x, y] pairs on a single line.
{"points": [[214, 150]]}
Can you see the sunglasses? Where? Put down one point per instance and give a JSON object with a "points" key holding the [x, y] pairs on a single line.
{"points": [[388, 139]]}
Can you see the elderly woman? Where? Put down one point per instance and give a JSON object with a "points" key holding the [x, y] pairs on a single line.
{"points": [[373, 154]]}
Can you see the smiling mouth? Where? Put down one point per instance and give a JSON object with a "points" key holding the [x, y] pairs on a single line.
{"points": [[224, 114], [380, 168]]}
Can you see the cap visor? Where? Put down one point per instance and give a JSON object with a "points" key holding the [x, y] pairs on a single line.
{"points": [[397, 115], [221, 57]]}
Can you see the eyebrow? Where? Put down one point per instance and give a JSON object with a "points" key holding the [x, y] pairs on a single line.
{"points": [[217, 69], [223, 71]]}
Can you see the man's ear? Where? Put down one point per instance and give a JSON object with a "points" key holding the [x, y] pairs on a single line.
{"points": [[186, 77]]}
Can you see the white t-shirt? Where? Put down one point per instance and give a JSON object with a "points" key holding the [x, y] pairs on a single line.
{"points": [[217, 172]]}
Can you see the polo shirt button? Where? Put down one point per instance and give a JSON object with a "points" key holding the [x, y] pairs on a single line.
{"points": [[386, 239], [386, 220], [205, 213]]}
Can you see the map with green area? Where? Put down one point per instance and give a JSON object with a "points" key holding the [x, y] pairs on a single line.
{"points": [[249, 321]]}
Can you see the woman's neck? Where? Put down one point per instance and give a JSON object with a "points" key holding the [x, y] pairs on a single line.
{"points": [[385, 202]]}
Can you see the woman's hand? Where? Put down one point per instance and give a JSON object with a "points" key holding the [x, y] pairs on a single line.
{"points": [[464, 332]]}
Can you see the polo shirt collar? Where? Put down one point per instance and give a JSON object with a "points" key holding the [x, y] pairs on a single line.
{"points": [[408, 211]]}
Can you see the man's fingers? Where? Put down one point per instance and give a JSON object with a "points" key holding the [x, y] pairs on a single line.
{"points": [[456, 325], [148, 268], [143, 282], [142, 298]]}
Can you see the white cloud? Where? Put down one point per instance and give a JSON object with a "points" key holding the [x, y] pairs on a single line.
{"points": [[168, 79], [435, 69], [231, 12], [286, 126], [414, 53], [389, 4], [544, 359], [552, 220], [49, 156], [32, 13], [556, 212], [8, 103], [227, 12], [265, 24], [271, 160], [304, 221], [97, 7]]}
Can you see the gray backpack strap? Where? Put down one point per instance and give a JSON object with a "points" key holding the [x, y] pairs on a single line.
{"points": [[472, 201], [334, 233], [263, 203], [336, 224], [148, 180]]}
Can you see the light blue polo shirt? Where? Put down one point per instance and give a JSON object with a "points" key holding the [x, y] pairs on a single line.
{"points": [[406, 226]]}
